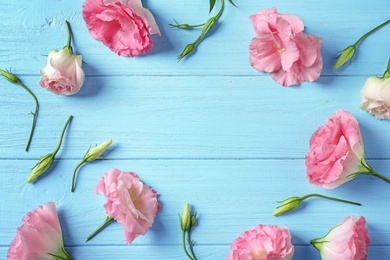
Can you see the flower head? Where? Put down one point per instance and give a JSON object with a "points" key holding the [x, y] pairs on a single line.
{"points": [[123, 26], [347, 240], [263, 242], [63, 74], [336, 152], [282, 49], [376, 97], [40, 237], [129, 201]]}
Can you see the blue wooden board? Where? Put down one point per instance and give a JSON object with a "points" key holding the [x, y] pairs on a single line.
{"points": [[209, 130]]}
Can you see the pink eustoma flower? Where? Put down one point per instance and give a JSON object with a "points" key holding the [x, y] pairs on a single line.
{"points": [[129, 202], [63, 74], [263, 242], [376, 97], [283, 50], [336, 151], [337, 154], [348, 240], [124, 26], [40, 237]]}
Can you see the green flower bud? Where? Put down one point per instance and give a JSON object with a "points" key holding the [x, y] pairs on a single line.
{"points": [[42, 166], [9, 76], [287, 205], [345, 56], [95, 152], [208, 25], [184, 26], [193, 220], [187, 50], [185, 220]]}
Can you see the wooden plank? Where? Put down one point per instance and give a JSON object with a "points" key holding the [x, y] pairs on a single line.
{"points": [[237, 194], [185, 117], [38, 29]]}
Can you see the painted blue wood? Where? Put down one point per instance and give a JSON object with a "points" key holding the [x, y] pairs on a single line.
{"points": [[209, 130]]}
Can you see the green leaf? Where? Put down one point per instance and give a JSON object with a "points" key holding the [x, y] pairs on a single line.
{"points": [[212, 4], [231, 1]]}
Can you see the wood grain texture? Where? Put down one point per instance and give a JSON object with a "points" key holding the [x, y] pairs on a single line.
{"points": [[209, 130]]}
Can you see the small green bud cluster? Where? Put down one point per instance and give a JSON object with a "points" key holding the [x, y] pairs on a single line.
{"points": [[187, 223]]}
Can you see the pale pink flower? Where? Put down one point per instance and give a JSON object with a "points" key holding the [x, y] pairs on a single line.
{"points": [[63, 74], [282, 49], [40, 237], [129, 201], [124, 26], [263, 242], [376, 97], [336, 152], [348, 240]]}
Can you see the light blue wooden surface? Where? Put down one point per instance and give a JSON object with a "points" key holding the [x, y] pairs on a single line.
{"points": [[209, 130]]}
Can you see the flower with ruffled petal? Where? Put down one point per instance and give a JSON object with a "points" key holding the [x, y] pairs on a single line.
{"points": [[40, 237], [124, 26], [63, 74], [283, 50], [129, 202], [263, 242], [337, 153]]}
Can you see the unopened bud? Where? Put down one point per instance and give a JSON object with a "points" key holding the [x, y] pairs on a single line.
{"points": [[287, 205], [193, 220], [95, 152], [345, 56], [208, 25], [41, 167], [9, 76], [185, 220], [187, 50]]}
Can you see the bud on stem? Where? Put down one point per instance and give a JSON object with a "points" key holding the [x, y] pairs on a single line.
{"points": [[91, 155], [46, 161], [13, 79], [293, 202]]}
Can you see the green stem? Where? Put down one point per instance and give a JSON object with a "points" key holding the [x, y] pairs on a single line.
{"points": [[386, 74], [370, 171], [59, 257], [74, 174], [377, 174], [67, 254], [94, 233], [183, 240], [35, 114], [370, 32], [62, 136], [190, 243], [68, 44], [329, 198]]}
